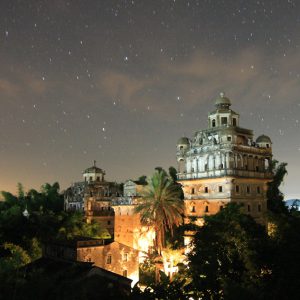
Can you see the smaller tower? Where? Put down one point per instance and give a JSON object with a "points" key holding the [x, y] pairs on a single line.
{"points": [[93, 174], [263, 141], [223, 116], [183, 145]]}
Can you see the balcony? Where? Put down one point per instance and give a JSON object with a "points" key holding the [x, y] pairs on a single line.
{"points": [[223, 173]]}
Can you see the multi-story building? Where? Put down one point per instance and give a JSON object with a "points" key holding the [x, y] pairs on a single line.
{"points": [[222, 164], [94, 195], [128, 229]]}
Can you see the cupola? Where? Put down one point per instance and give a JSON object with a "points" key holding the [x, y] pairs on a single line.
{"points": [[93, 174], [263, 141]]}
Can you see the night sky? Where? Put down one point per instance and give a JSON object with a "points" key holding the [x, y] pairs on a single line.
{"points": [[121, 81]]}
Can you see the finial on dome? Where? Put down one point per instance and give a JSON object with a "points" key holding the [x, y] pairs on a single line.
{"points": [[222, 101], [94, 163]]}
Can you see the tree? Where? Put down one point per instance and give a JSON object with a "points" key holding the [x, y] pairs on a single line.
{"points": [[142, 180], [274, 195], [229, 259], [21, 193], [173, 173], [284, 231], [161, 206], [16, 258]]}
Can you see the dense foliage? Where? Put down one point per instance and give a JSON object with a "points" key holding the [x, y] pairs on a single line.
{"points": [[21, 235]]}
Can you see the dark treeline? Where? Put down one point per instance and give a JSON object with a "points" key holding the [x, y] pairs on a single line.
{"points": [[21, 235]]}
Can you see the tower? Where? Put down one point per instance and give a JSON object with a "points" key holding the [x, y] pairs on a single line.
{"points": [[223, 164]]}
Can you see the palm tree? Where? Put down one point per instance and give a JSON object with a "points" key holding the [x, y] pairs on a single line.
{"points": [[161, 206]]}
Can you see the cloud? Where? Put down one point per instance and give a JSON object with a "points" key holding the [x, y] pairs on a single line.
{"points": [[8, 88], [249, 77], [18, 85], [123, 86]]}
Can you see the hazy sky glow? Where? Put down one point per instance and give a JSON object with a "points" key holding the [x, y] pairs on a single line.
{"points": [[121, 81]]}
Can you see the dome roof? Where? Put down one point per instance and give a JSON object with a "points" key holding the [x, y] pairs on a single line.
{"points": [[183, 141], [263, 139], [222, 100], [93, 169]]}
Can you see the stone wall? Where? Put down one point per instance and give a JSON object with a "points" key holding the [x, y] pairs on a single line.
{"points": [[114, 257]]}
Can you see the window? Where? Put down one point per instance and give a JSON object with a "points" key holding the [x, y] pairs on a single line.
{"points": [[108, 222], [258, 190], [268, 146], [193, 209], [181, 147], [248, 189], [125, 257], [206, 167], [224, 121], [259, 207], [108, 259], [192, 191], [125, 273], [220, 189], [206, 189], [221, 166], [213, 123], [229, 138], [206, 208], [98, 178], [237, 188], [248, 208], [257, 168], [234, 121], [91, 178]]}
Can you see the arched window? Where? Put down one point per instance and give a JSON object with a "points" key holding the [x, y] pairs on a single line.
{"points": [[213, 123]]}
